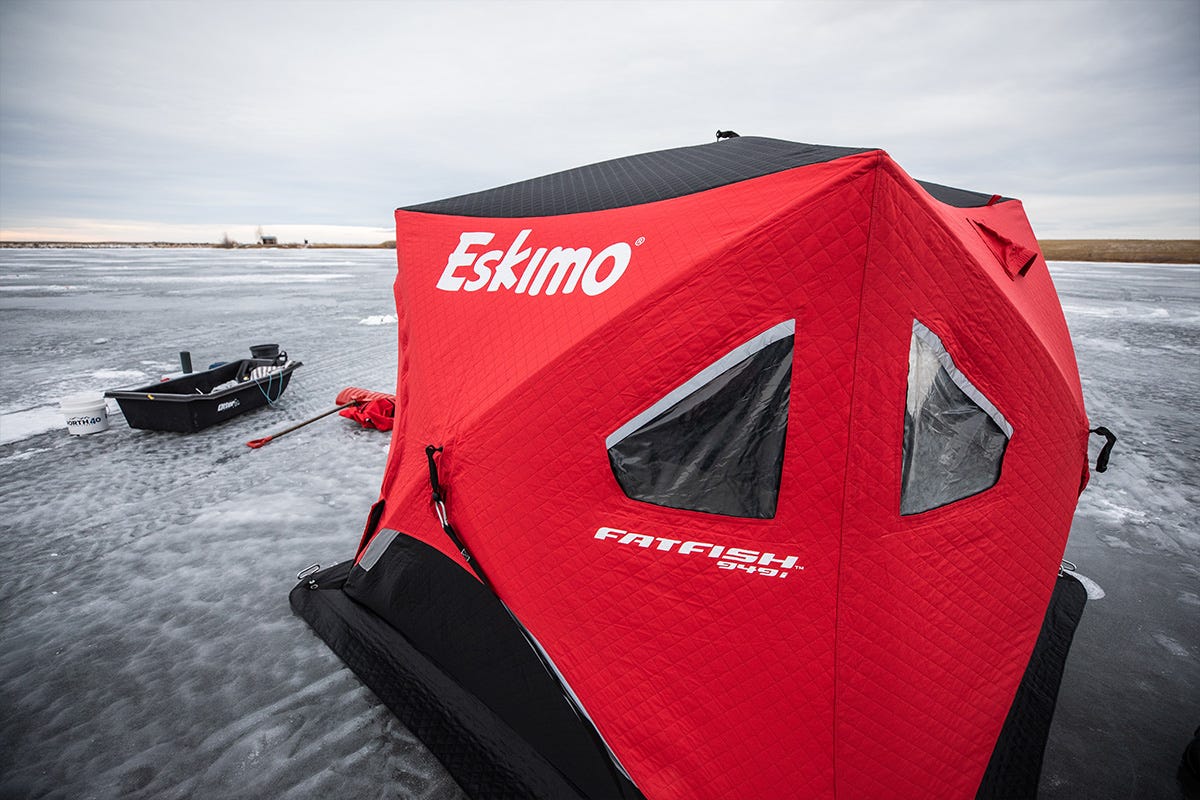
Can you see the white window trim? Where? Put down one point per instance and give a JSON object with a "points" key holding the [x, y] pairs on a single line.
{"points": [[932, 341], [702, 378]]}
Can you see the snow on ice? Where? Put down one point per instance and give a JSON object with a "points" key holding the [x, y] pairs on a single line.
{"points": [[379, 319]]}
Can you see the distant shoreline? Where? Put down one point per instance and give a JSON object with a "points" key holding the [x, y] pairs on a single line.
{"points": [[1142, 251], [1138, 251]]}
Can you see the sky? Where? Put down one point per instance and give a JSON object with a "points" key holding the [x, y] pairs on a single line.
{"points": [[190, 121]]}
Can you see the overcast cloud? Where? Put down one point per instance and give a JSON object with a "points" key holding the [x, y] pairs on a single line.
{"points": [[183, 121]]}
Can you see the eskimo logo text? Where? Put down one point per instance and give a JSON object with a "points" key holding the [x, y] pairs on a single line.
{"points": [[532, 270]]}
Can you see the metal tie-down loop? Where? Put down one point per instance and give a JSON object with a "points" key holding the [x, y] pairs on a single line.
{"points": [[439, 508]]}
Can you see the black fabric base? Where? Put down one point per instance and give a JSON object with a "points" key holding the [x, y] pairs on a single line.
{"points": [[484, 754], [489, 758], [459, 625], [1016, 764]]}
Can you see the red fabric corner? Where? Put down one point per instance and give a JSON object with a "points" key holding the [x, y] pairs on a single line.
{"points": [[1014, 257]]}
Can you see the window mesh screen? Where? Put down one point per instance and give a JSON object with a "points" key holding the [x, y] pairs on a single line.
{"points": [[954, 438], [715, 444]]}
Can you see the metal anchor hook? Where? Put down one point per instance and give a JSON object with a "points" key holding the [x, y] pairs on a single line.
{"points": [[311, 569]]}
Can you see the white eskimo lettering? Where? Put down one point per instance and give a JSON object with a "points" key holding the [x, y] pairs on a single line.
{"points": [[483, 272], [620, 253], [461, 257], [559, 262], [549, 271], [504, 276], [529, 272]]}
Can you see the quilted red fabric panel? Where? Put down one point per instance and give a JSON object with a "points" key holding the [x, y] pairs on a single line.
{"points": [[883, 662], [938, 612]]}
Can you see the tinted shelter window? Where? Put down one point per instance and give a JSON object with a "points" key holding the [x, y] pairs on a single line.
{"points": [[954, 438], [714, 443]]}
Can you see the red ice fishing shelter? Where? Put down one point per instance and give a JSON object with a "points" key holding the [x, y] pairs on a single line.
{"points": [[735, 470]]}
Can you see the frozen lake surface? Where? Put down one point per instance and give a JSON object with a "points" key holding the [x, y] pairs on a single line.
{"points": [[149, 650]]}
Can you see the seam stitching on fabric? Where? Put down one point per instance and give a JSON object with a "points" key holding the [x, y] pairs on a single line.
{"points": [[837, 600]]}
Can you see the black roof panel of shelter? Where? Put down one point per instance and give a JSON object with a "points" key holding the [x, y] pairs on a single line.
{"points": [[661, 175], [961, 198]]}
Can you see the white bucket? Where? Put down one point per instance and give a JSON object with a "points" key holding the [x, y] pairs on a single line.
{"points": [[85, 413]]}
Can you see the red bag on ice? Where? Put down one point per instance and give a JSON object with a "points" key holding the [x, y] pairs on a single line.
{"points": [[374, 410]]}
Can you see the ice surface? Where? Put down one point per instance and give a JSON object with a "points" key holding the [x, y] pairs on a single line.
{"points": [[149, 651], [1130, 697]]}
